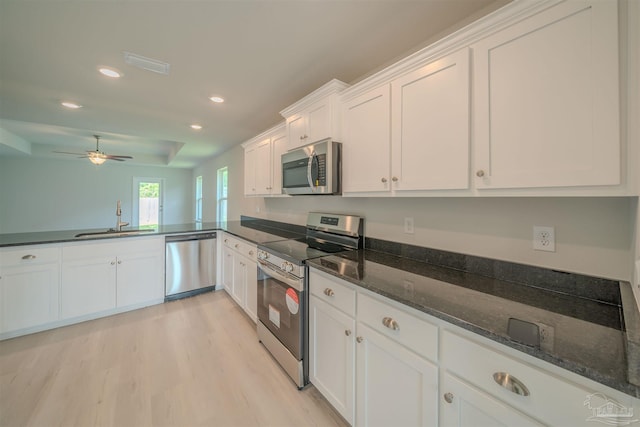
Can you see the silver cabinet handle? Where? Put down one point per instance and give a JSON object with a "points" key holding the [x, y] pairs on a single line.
{"points": [[347, 332], [113, 263], [390, 323], [328, 292], [226, 240], [394, 179], [236, 246], [511, 383], [383, 180], [359, 339], [448, 397], [119, 261], [480, 173], [250, 252], [29, 257]]}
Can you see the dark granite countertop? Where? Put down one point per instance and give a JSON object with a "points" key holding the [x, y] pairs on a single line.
{"points": [[589, 335], [245, 229]]}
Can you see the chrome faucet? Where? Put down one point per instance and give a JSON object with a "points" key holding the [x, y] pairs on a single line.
{"points": [[120, 223]]}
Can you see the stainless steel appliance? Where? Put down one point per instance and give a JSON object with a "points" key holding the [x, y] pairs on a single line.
{"points": [[313, 169], [283, 287], [190, 264]]}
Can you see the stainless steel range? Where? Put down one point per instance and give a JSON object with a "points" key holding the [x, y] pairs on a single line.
{"points": [[283, 287]]}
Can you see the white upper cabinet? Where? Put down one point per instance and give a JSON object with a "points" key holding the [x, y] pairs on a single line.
{"points": [[262, 164], [430, 126], [367, 142], [547, 100], [413, 132], [314, 117]]}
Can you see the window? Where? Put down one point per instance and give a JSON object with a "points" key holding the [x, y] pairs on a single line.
{"points": [[199, 199], [221, 199]]}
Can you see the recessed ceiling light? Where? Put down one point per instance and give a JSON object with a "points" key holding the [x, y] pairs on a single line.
{"points": [[217, 99], [196, 127], [71, 105], [110, 72]]}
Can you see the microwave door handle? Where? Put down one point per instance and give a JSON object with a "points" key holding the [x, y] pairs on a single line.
{"points": [[312, 158]]}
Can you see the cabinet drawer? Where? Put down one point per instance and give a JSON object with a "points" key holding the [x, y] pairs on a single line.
{"points": [[339, 295], [29, 255], [552, 399], [414, 333], [240, 246]]}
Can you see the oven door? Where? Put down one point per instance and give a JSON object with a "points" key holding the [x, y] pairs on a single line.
{"points": [[281, 306]]}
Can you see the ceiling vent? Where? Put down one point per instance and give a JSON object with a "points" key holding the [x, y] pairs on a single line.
{"points": [[146, 63]]}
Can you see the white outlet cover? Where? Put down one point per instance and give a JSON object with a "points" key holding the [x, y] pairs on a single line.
{"points": [[544, 238]]}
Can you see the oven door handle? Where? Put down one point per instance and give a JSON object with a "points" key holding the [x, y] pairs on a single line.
{"points": [[312, 158], [294, 282]]}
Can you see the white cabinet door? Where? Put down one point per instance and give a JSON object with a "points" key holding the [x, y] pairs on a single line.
{"points": [[297, 131], [332, 355], [319, 121], [88, 285], [140, 277], [547, 100], [395, 387], [262, 167], [278, 148], [251, 288], [250, 160], [430, 131], [367, 142], [28, 295], [465, 406], [239, 280], [227, 269]]}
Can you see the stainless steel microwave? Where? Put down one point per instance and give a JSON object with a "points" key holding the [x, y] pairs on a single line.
{"points": [[313, 169]]}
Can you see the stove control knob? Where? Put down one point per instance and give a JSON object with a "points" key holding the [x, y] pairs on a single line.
{"points": [[287, 266], [262, 254]]}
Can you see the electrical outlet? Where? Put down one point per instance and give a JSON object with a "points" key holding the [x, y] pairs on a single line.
{"points": [[544, 238], [408, 225], [547, 336]]}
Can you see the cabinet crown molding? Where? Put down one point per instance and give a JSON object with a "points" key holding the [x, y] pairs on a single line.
{"points": [[280, 127], [334, 86]]}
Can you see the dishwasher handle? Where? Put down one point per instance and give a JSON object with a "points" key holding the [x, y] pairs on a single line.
{"points": [[188, 237]]}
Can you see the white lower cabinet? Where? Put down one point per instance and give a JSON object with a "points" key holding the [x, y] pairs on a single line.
{"points": [[97, 277], [369, 377], [332, 349], [29, 282], [464, 405], [240, 273], [395, 386]]}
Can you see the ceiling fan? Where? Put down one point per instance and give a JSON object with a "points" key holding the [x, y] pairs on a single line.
{"points": [[97, 157]]}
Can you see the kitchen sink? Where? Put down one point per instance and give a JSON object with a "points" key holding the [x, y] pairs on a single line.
{"points": [[111, 233]]}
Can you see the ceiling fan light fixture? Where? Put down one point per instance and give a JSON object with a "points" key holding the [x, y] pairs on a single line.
{"points": [[97, 158], [196, 126], [217, 99], [110, 72], [71, 105]]}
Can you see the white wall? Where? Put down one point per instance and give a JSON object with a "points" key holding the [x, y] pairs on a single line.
{"points": [[51, 194]]}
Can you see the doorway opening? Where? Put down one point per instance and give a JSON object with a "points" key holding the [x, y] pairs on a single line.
{"points": [[148, 196]]}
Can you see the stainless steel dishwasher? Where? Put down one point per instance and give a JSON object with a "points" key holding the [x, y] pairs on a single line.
{"points": [[190, 265]]}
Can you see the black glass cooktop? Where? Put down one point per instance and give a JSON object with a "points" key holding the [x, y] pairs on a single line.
{"points": [[299, 250]]}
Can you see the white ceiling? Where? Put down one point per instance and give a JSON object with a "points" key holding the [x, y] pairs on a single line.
{"points": [[260, 55]]}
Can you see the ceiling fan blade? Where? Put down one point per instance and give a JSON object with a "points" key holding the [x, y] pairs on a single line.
{"points": [[114, 156], [66, 152]]}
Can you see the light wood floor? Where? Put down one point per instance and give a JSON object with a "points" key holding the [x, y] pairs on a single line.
{"points": [[192, 362]]}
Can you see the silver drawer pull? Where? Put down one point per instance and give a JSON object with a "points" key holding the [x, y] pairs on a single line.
{"points": [[448, 397], [29, 257], [347, 332], [359, 339], [250, 252], [328, 292], [511, 383], [390, 323]]}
